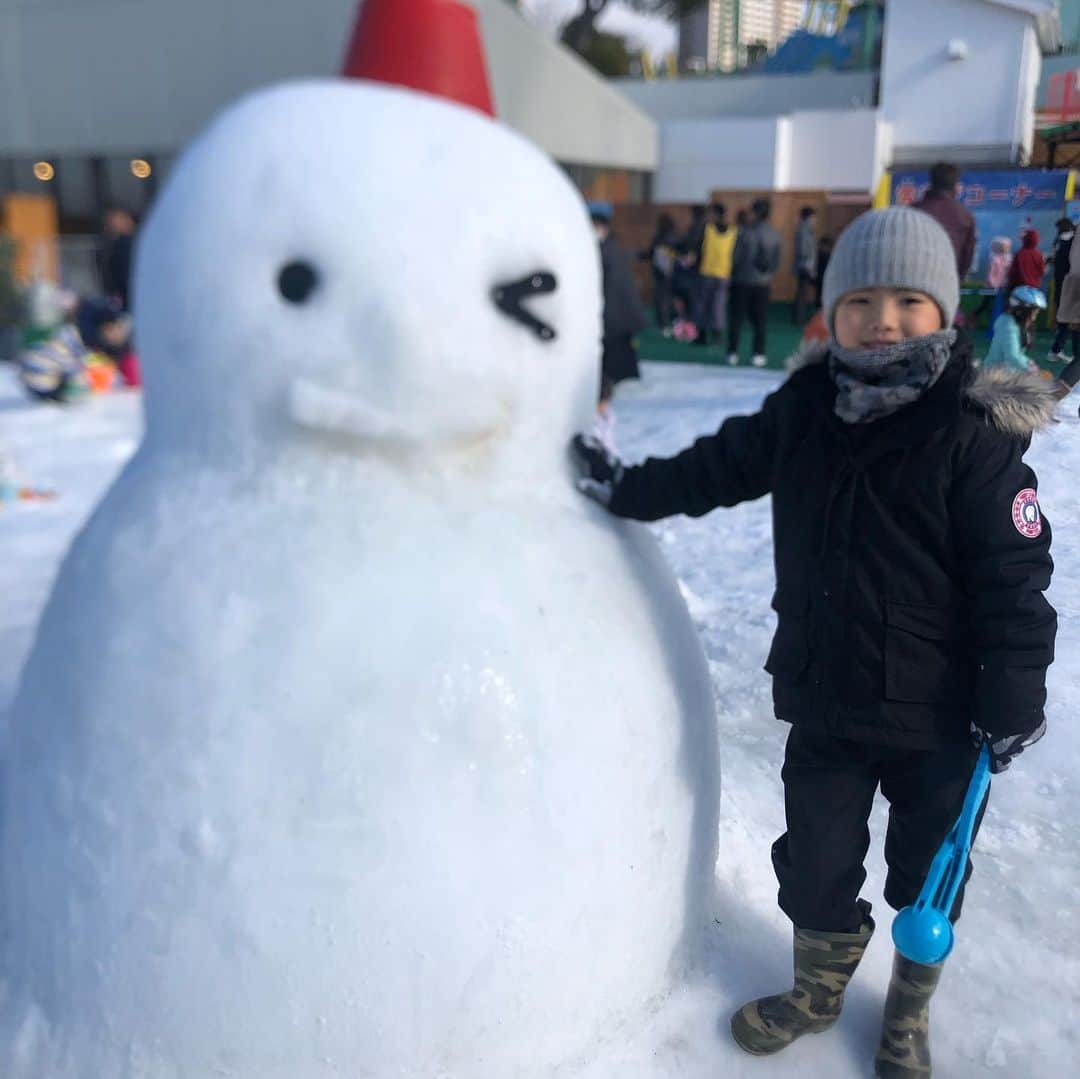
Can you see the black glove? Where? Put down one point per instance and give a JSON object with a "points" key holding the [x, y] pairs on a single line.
{"points": [[600, 471], [1003, 749]]}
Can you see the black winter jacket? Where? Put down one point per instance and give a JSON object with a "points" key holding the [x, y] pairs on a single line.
{"points": [[909, 601], [757, 255], [624, 313]]}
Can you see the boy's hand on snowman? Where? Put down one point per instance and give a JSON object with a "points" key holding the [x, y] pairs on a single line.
{"points": [[1003, 748], [599, 470]]}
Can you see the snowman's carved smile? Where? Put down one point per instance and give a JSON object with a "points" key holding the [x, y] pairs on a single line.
{"points": [[331, 411]]}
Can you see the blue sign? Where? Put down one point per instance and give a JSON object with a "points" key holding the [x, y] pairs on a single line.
{"points": [[1005, 203]]}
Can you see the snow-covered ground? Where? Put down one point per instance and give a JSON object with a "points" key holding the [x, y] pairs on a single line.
{"points": [[1008, 1003]]}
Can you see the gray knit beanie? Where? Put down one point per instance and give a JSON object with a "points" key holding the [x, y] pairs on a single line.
{"points": [[894, 248]]}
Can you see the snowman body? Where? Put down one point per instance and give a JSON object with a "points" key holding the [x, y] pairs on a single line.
{"points": [[374, 750]]}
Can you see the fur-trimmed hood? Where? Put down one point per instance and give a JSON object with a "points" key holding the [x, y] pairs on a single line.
{"points": [[1016, 402]]}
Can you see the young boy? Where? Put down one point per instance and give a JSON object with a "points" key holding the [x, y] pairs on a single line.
{"points": [[911, 560]]}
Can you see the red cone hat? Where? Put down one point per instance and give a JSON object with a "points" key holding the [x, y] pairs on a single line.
{"points": [[429, 45]]}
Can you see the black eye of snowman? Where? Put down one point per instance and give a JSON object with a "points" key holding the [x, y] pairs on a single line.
{"points": [[509, 297], [297, 280]]}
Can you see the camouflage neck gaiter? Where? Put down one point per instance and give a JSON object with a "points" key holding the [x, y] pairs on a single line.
{"points": [[874, 384]]}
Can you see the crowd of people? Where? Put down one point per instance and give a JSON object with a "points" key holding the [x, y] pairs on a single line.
{"points": [[717, 274], [708, 282], [712, 279], [1013, 284], [72, 345]]}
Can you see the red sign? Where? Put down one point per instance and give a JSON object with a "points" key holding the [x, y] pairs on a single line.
{"points": [[1063, 97]]}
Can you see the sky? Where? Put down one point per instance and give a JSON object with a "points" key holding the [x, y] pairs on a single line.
{"points": [[643, 31]]}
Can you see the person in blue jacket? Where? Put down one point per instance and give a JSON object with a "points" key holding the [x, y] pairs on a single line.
{"points": [[1014, 328]]}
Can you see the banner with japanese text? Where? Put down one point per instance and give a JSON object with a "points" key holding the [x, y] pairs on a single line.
{"points": [[1005, 202]]}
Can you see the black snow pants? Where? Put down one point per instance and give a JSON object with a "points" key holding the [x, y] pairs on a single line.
{"points": [[752, 300], [1071, 375], [829, 786]]}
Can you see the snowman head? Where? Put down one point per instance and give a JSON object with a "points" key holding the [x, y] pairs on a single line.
{"points": [[364, 269]]}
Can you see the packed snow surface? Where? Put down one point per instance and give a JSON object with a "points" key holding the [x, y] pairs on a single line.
{"points": [[1009, 999]]}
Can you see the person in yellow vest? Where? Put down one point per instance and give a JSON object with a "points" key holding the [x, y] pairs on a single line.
{"points": [[714, 267]]}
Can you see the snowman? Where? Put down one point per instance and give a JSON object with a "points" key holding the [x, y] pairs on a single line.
{"points": [[354, 742]]}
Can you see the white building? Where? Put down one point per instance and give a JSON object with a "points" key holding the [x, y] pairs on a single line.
{"points": [[88, 88], [958, 80], [722, 35]]}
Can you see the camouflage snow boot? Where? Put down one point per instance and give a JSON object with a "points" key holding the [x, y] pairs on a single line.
{"points": [[824, 964], [904, 1052]]}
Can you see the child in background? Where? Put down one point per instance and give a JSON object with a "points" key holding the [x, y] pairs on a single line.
{"points": [[53, 364], [911, 560], [1029, 266], [685, 275], [1014, 331], [997, 277], [106, 328], [662, 254], [55, 370]]}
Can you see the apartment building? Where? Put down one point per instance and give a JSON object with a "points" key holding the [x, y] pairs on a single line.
{"points": [[728, 33]]}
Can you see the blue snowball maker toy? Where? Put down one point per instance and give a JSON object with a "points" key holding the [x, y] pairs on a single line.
{"points": [[923, 932]]}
